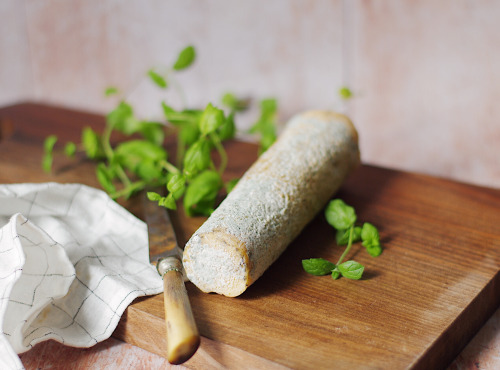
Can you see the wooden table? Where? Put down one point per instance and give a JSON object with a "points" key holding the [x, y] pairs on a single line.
{"points": [[419, 304]]}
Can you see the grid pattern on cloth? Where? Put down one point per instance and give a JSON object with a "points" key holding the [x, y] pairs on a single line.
{"points": [[71, 260]]}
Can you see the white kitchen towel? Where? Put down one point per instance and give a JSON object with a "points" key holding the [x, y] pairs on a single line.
{"points": [[71, 261]]}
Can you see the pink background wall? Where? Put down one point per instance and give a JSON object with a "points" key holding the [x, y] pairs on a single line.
{"points": [[426, 74]]}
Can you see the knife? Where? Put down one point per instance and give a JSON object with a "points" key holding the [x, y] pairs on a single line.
{"points": [[183, 338]]}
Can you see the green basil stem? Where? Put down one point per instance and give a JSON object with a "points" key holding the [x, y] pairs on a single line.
{"points": [[129, 189], [108, 151], [221, 151], [349, 244], [169, 167]]}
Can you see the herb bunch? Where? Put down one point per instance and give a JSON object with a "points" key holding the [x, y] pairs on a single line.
{"points": [[142, 162], [343, 218]]}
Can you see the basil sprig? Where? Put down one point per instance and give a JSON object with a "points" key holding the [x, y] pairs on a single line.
{"points": [[140, 160], [343, 218]]}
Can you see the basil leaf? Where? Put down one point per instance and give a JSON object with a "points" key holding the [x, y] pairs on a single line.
{"points": [[48, 148], [49, 142], [148, 170], [189, 133], [157, 79], [340, 215], [374, 251], [197, 158], [266, 126], [138, 150], [70, 149], [153, 196], [317, 266], [180, 117], [268, 107], [152, 131], [228, 128], [268, 137], [232, 102], [201, 193], [110, 91], [141, 157], [185, 59], [370, 235], [177, 185], [91, 143], [169, 202], [351, 270], [105, 177], [345, 93], [211, 119], [122, 118]]}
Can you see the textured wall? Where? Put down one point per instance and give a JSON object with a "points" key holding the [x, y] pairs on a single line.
{"points": [[425, 74]]}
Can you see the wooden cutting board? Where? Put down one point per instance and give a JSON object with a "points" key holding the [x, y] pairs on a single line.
{"points": [[417, 305]]}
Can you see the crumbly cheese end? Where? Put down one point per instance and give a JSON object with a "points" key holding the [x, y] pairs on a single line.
{"points": [[216, 264], [271, 204]]}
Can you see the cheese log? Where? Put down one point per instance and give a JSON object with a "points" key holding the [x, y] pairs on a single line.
{"points": [[271, 204]]}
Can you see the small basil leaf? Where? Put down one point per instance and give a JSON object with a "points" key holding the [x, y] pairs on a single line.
{"points": [[91, 143], [228, 128], [153, 196], [345, 93], [189, 133], [177, 185], [370, 235], [158, 79], [340, 215], [70, 149], [48, 147], [335, 274], [351, 270], [169, 202], [152, 131], [110, 91], [185, 59], [232, 102], [266, 124], [374, 251], [201, 193], [197, 158], [141, 157], [211, 119], [268, 107], [180, 117], [49, 142], [105, 177], [268, 137], [122, 118], [148, 170], [317, 266]]}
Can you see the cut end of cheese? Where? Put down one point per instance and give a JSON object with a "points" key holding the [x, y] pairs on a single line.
{"points": [[218, 263]]}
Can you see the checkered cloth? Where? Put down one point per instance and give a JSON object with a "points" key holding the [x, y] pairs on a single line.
{"points": [[71, 261]]}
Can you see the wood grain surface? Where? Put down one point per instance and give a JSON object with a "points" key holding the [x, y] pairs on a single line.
{"points": [[417, 305]]}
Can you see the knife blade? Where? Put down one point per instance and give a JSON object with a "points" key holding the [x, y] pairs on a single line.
{"points": [[183, 338]]}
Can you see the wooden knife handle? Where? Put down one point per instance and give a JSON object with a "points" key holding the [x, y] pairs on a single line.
{"points": [[183, 338]]}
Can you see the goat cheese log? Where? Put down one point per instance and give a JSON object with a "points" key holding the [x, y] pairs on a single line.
{"points": [[274, 200]]}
